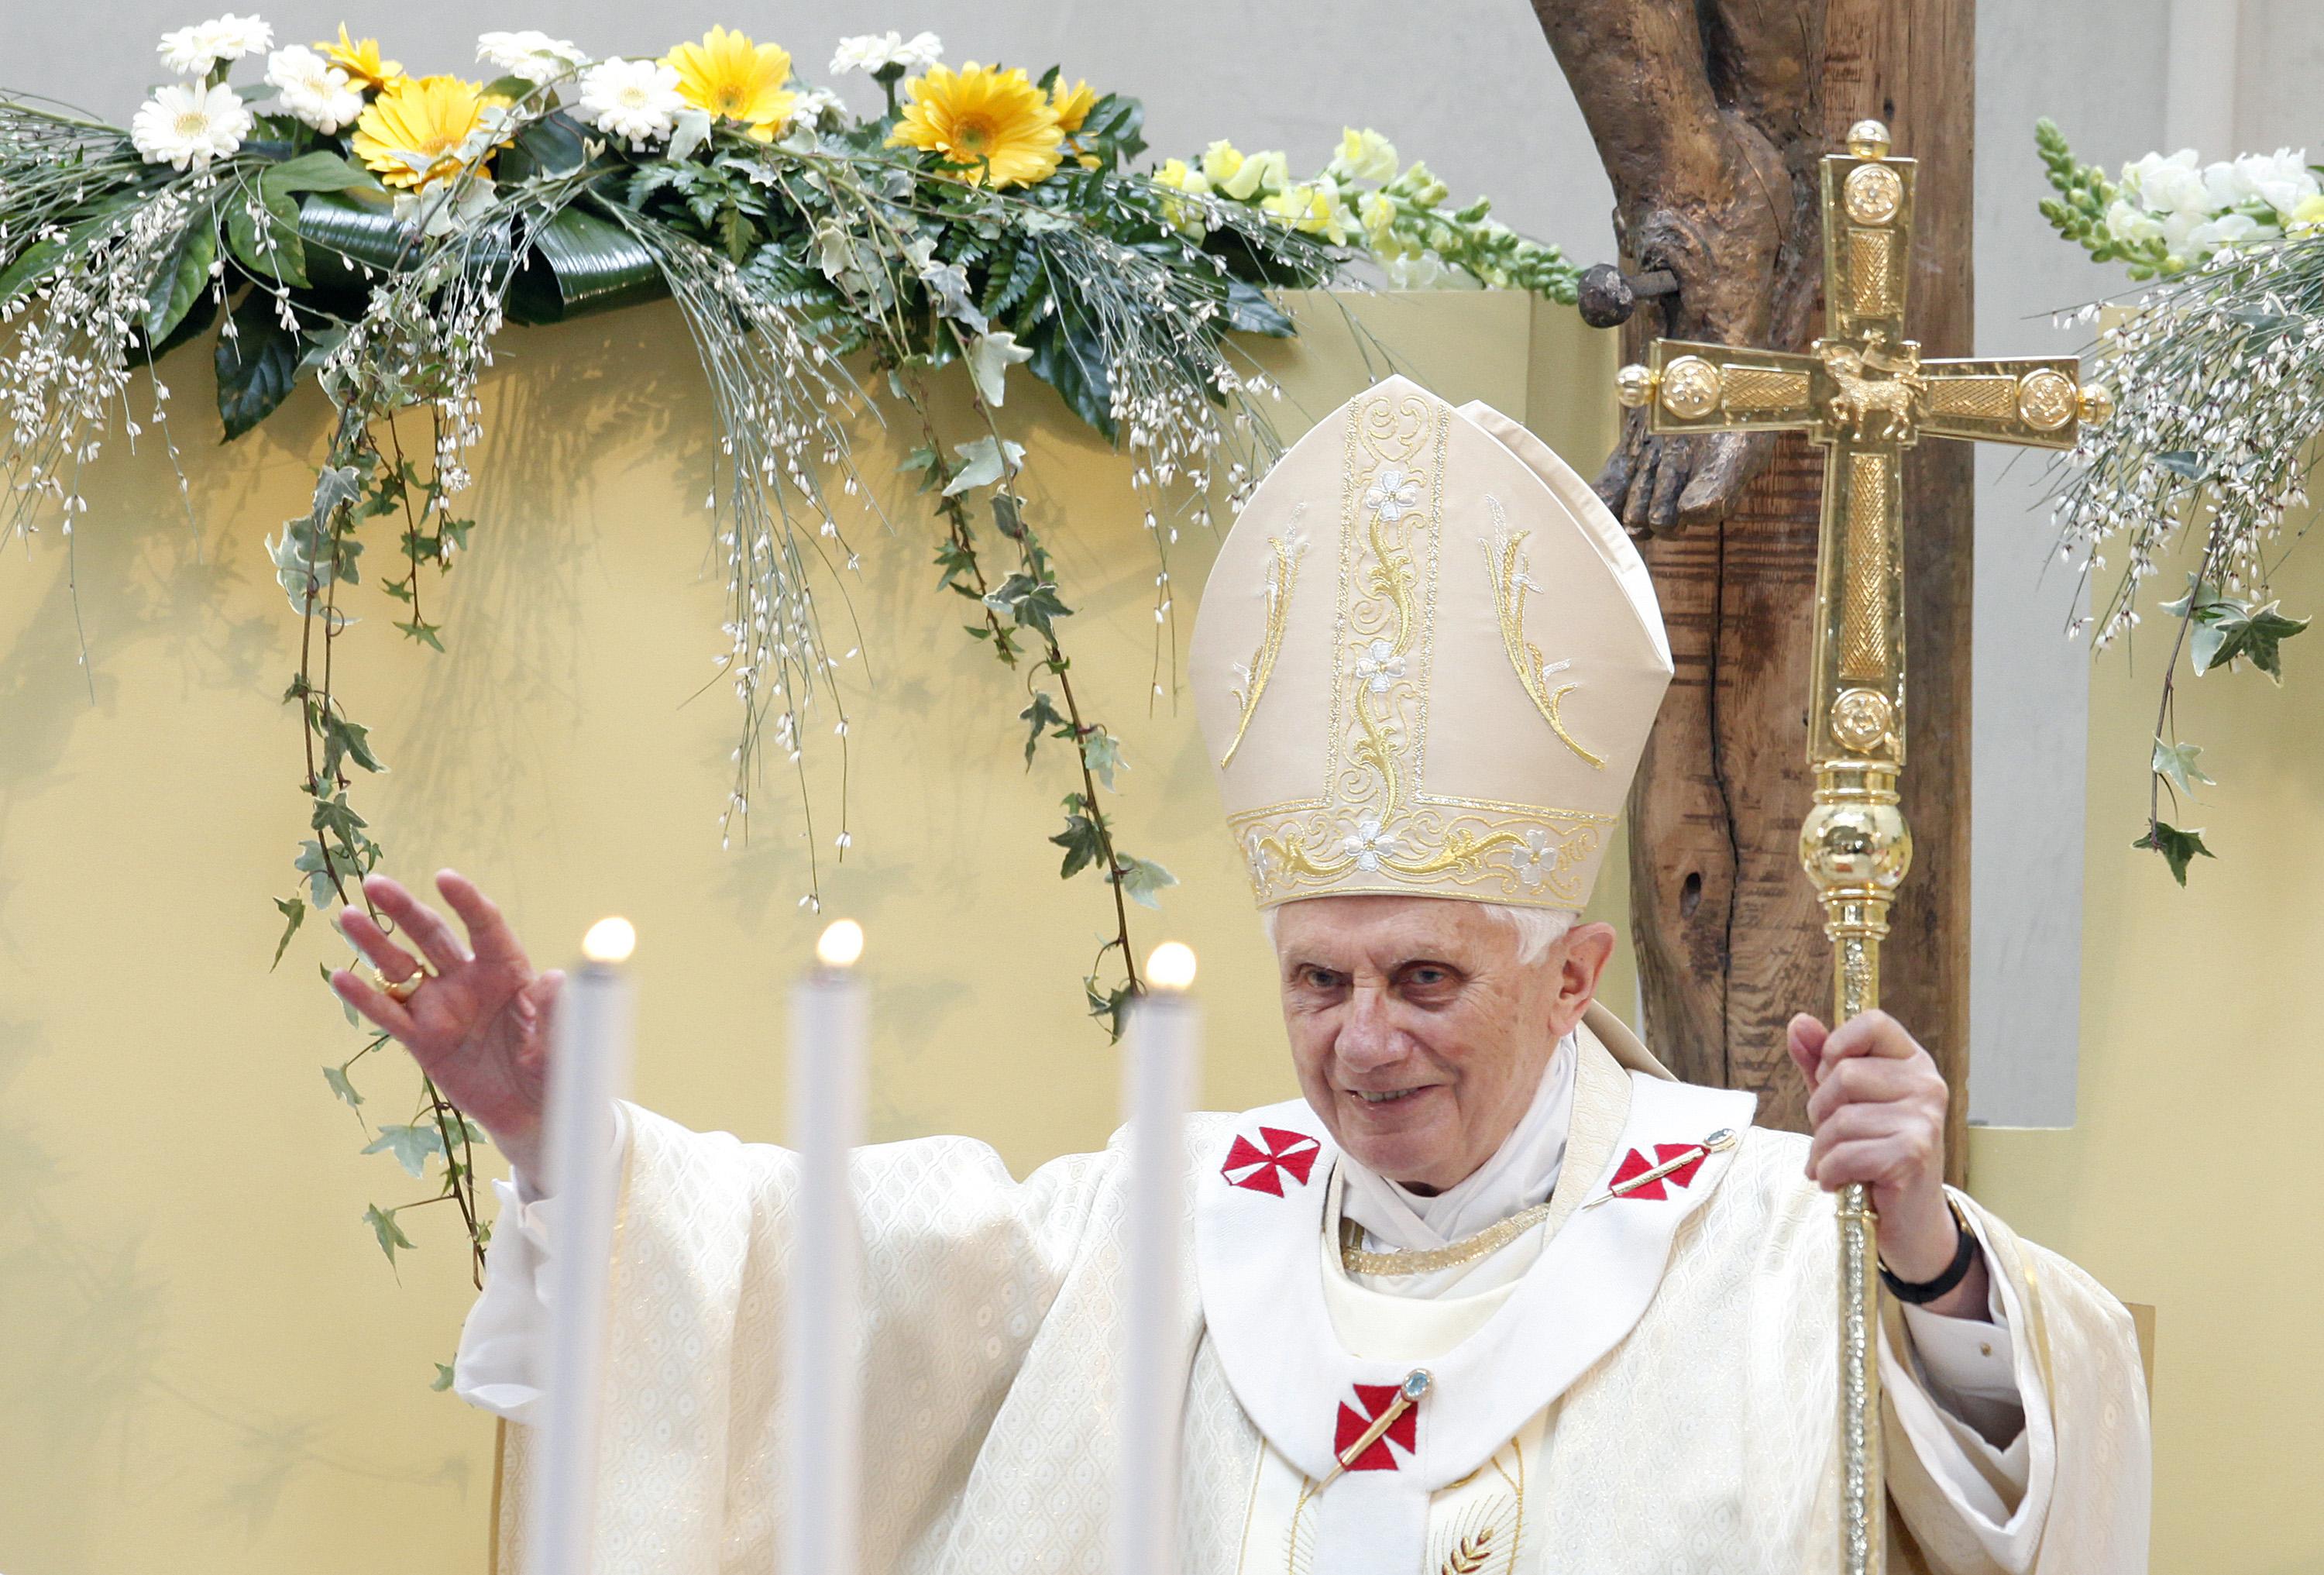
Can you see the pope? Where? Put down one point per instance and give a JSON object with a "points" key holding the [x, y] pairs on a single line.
{"points": [[1496, 1295]]}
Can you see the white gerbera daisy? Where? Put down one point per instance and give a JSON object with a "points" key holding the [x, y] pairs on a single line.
{"points": [[534, 56], [812, 105], [637, 99], [185, 122], [191, 51], [873, 52], [315, 90]]}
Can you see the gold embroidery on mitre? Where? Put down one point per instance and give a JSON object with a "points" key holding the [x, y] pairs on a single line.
{"points": [[1374, 828], [1282, 574], [1505, 564]]}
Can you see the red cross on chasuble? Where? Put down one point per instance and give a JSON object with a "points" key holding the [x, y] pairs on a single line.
{"points": [[1635, 1163], [1261, 1169], [1404, 1432]]}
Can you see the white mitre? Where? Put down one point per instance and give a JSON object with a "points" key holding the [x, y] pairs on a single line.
{"points": [[1426, 662]]}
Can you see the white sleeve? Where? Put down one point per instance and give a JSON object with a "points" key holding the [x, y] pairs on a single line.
{"points": [[504, 1342]]}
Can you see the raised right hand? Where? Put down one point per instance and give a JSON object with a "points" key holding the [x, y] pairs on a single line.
{"points": [[480, 1028]]}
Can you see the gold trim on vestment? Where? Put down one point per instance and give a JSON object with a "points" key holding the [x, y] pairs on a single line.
{"points": [[1451, 1255]]}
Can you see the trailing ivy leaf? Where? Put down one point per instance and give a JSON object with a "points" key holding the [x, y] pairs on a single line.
{"points": [[2228, 630], [2175, 764], [351, 740], [179, 285], [983, 463], [324, 970], [2179, 848], [1042, 717], [389, 1234], [411, 1146], [294, 913], [1107, 1005], [1102, 753], [1032, 602], [315, 864], [442, 1378], [1143, 880], [257, 367], [421, 631], [1079, 839], [341, 1085]]}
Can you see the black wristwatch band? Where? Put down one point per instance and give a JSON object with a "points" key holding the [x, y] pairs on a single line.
{"points": [[1955, 1272]]}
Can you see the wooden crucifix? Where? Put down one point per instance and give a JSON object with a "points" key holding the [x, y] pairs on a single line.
{"points": [[1863, 394]]}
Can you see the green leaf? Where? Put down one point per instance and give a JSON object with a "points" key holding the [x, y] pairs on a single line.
{"points": [[1041, 716], [423, 631], [341, 1085], [178, 286], [1070, 357], [1079, 839], [442, 1378], [581, 263], [411, 1146], [2226, 631], [324, 970], [984, 461], [317, 172], [1107, 1005], [389, 1234], [271, 250], [1143, 880], [2179, 848], [31, 268], [1102, 753], [2175, 764], [343, 232], [257, 367], [551, 145], [294, 913]]}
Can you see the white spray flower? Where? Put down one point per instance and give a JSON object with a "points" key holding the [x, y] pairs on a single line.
{"points": [[191, 51], [637, 99], [315, 90], [873, 52], [185, 122], [533, 55]]}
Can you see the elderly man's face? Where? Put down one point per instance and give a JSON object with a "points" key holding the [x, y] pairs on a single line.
{"points": [[1418, 1036]]}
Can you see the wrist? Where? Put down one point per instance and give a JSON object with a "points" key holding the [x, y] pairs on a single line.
{"points": [[1947, 1286], [1919, 1234]]}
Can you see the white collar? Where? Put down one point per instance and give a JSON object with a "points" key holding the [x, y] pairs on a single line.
{"points": [[1521, 1172]]}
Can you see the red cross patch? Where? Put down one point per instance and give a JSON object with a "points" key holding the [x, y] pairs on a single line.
{"points": [[1635, 1163], [1260, 1165], [1371, 1399]]}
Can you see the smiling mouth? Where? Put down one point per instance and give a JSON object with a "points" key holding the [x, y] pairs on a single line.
{"points": [[1387, 1096]]}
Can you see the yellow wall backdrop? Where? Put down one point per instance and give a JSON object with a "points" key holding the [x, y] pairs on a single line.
{"points": [[2187, 1182], [206, 1364]]}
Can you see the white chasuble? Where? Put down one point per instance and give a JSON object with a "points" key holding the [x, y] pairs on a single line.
{"points": [[1643, 1385]]}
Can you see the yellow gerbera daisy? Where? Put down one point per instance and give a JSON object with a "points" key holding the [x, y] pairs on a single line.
{"points": [[997, 121], [1072, 104], [410, 134], [360, 61], [731, 77]]}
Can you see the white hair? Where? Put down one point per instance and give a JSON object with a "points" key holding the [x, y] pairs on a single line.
{"points": [[1538, 928]]}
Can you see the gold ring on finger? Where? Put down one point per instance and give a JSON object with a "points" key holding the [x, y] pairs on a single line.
{"points": [[398, 989]]}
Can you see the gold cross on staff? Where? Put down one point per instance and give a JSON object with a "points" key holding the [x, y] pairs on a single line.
{"points": [[1864, 395]]}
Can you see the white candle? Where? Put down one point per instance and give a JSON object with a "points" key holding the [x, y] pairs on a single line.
{"points": [[820, 1377], [1163, 1049], [588, 1070]]}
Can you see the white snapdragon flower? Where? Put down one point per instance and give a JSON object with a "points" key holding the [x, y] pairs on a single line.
{"points": [[533, 55], [2167, 185], [2130, 224], [191, 51], [873, 52], [315, 90], [186, 124], [2229, 229], [2281, 181], [637, 99], [1364, 155]]}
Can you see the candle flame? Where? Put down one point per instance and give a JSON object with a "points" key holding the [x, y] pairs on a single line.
{"points": [[1171, 966], [610, 940], [840, 945]]}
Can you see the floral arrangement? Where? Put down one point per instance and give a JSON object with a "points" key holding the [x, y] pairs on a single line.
{"points": [[344, 220], [2214, 371]]}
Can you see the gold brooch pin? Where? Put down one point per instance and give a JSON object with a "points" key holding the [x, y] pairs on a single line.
{"points": [[1407, 1396], [1725, 1137]]}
